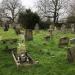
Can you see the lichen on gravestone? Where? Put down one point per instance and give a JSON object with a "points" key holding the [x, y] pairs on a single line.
{"points": [[21, 48]]}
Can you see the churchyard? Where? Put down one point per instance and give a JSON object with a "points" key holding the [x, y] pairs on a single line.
{"points": [[52, 59], [37, 37]]}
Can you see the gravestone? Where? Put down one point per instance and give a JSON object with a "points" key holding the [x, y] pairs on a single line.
{"points": [[72, 41], [47, 37], [63, 28], [51, 29], [72, 28], [71, 54], [22, 32], [55, 28], [5, 26], [68, 27], [63, 42], [50, 33], [16, 27], [36, 27]]}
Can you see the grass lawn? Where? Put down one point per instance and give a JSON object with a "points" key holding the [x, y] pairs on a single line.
{"points": [[52, 60]]}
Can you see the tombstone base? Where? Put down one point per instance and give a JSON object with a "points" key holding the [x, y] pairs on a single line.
{"points": [[23, 64]]}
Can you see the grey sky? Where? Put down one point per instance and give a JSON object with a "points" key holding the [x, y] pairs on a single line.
{"points": [[28, 3]]}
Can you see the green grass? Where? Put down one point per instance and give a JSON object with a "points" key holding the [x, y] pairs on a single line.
{"points": [[52, 60]]}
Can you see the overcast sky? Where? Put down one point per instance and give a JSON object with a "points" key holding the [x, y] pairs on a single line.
{"points": [[29, 4]]}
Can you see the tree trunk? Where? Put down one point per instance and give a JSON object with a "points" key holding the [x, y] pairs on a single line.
{"points": [[12, 15], [28, 35], [55, 11], [55, 15]]}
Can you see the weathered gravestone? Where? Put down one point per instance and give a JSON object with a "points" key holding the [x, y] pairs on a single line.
{"points": [[17, 29], [6, 26], [47, 37], [51, 29], [71, 54], [63, 42], [36, 27], [73, 28], [55, 28], [50, 33], [68, 27], [22, 32], [72, 41], [63, 28]]}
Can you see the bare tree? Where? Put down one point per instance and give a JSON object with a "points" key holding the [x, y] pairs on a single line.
{"points": [[71, 15], [51, 8], [43, 7], [12, 7], [71, 12], [72, 8]]}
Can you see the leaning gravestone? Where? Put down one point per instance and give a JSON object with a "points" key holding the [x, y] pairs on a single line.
{"points": [[72, 41], [71, 54], [63, 42]]}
